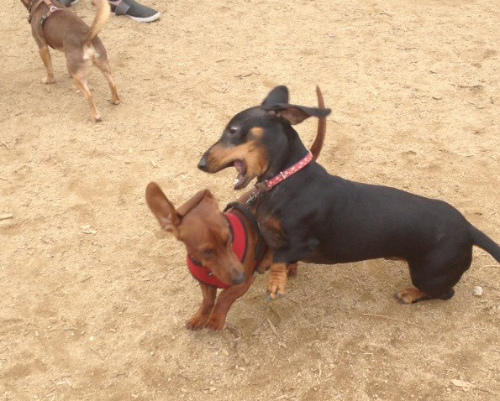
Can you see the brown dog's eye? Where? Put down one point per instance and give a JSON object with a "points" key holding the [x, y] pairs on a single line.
{"points": [[208, 253]]}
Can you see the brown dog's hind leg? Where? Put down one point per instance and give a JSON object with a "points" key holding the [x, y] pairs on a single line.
{"points": [[81, 83], [47, 62], [103, 65]]}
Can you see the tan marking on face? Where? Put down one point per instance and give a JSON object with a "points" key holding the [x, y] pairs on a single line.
{"points": [[257, 132], [253, 153]]}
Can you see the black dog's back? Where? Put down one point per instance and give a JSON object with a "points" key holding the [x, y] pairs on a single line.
{"points": [[354, 221]]}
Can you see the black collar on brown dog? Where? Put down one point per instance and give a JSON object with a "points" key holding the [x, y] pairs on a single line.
{"points": [[35, 4]]}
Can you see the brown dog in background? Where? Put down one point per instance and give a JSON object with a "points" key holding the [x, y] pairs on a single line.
{"points": [[54, 25]]}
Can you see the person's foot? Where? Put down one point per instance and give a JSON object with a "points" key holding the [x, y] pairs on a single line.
{"points": [[134, 10], [68, 3]]}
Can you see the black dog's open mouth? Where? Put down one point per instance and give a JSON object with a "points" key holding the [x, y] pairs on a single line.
{"points": [[242, 179]]}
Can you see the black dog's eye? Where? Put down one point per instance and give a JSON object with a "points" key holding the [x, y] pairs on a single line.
{"points": [[232, 130]]}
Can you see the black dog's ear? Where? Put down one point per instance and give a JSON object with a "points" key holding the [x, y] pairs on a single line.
{"points": [[277, 95], [296, 114]]}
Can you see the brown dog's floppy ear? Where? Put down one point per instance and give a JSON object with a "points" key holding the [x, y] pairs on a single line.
{"points": [[162, 208]]}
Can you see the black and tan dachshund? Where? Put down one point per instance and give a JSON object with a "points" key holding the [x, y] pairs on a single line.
{"points": [[306, 214]]}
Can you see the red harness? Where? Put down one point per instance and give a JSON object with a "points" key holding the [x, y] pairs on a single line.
{"points": [[240, 246]]}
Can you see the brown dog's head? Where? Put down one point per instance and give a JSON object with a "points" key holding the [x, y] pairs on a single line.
{"points": [[202, 228], [256, 141]]}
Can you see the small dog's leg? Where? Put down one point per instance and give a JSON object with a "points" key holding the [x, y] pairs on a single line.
{"points": [[199, 320], [226, 298], [81, 83], [277, 281], [103, 65], [47, 62]]}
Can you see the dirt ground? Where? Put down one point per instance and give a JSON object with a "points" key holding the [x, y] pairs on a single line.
{"points": [[94, 296]]}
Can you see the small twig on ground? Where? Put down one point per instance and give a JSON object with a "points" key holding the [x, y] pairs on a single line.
{"points": [[390, 318], [273, 328], [97, 353], [233, 330], [258, 327], [6, 216], [356, 277], [63, 329]]}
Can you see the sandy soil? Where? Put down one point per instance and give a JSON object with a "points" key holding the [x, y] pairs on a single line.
{"points": [[94, 297]]}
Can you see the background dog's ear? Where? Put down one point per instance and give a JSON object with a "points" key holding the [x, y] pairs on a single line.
{"points": [[278, 95], [296, 114], [162, 208]]}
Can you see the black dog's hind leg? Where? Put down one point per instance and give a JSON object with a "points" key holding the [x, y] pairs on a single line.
{"points": [[434, 276]]}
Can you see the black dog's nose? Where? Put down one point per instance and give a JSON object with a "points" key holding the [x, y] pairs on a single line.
{"points": [[239, 278], [202, 165]]}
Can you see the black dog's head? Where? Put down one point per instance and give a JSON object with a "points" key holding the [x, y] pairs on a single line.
{"points": [[257, 140]]}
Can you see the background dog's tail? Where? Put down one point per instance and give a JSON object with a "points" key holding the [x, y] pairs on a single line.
{"points": [[103, 9], [485, 242], [320, 133]]}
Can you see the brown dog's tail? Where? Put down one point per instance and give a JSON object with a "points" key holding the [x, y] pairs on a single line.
{"points": [[484, 242], [320, 133], [103, 9]]}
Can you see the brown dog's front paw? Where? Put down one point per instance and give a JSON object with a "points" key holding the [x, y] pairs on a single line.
{"points": [[197, 322], [277, 281], [411, 295], [216, 322], [48, 80]]}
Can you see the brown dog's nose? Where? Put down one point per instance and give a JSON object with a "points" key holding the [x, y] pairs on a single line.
{"points": [[239, 278], [202, 165]]}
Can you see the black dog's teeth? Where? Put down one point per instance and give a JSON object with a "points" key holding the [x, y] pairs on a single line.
{"points": [[240, 168]]}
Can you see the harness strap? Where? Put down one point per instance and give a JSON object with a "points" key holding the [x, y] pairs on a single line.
{"points": [[35, 4], [261, 246]]}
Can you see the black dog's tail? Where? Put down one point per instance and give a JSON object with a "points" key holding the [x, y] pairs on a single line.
{"points": [[485, 242], [320, 133]]}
